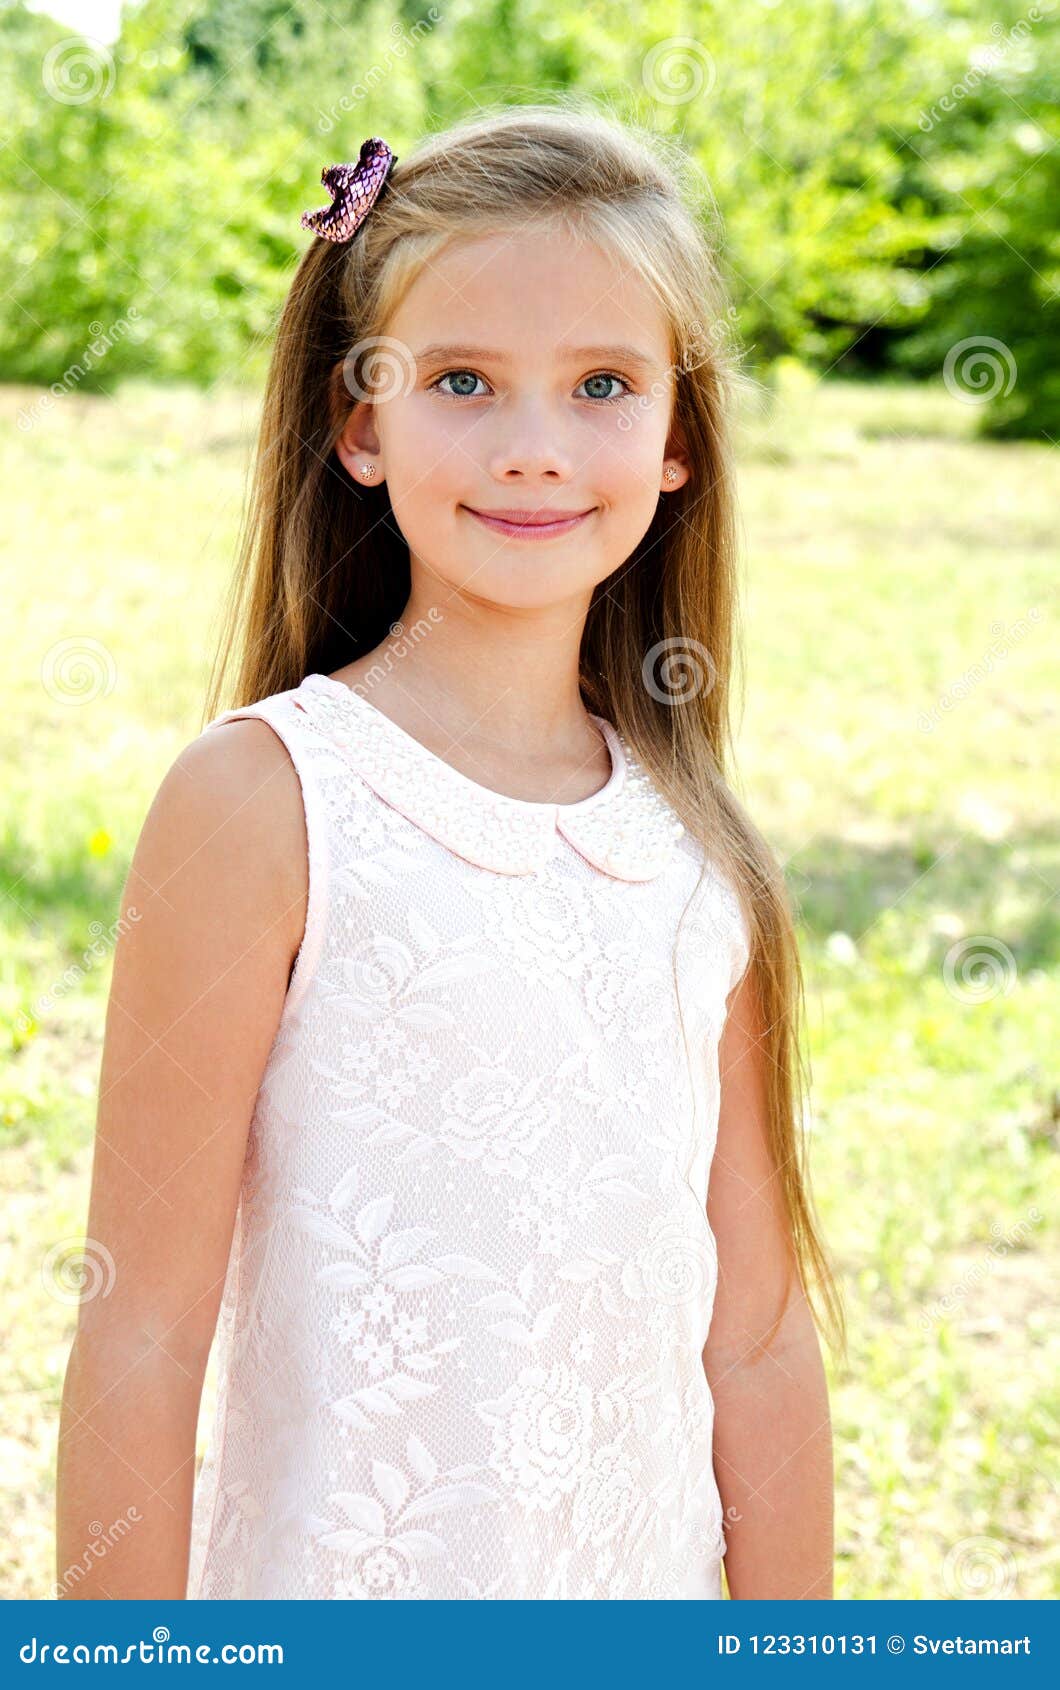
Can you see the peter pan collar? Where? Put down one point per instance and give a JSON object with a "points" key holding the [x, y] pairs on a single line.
{"points": [[627, 829]]}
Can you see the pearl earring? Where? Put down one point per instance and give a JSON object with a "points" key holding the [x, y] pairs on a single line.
{"points": [[368, 470], [669, 473]]}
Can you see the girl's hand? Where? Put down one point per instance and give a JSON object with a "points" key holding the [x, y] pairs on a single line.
{"points": [[772, 1433], [215, 903]]}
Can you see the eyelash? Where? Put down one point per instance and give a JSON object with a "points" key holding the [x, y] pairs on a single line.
{"points": [[611, 399]]}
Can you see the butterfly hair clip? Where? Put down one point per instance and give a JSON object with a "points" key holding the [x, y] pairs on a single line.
{"points": [[354, 189]]}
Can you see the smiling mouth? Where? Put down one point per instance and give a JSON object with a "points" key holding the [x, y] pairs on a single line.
{"points": [[530, 525]]}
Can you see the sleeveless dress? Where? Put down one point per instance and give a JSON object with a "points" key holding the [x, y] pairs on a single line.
{"points": [[459, 1348]]}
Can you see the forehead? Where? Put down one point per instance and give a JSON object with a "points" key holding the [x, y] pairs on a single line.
{"points": [[527, 292]]}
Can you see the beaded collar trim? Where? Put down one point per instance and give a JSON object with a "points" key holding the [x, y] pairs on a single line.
{"points": [[626, 829]]}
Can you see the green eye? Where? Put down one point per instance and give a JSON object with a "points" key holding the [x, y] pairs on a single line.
{"points": [[457, 375], [607, 398], [469, 376]]}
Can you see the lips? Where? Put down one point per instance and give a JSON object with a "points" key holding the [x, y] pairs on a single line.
{"points": [[529, 524]]}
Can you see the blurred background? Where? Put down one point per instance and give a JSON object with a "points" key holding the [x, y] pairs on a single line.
{"points": [[883, 179]]}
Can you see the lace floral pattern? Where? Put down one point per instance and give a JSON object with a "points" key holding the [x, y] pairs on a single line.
{"points": [[460, 1343]]}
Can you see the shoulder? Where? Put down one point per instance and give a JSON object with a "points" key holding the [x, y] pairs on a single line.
{"points": [[226, 828], [718, 914], [240, 774]]}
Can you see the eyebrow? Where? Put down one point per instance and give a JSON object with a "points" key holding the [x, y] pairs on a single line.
{"points": [[600, 354]]}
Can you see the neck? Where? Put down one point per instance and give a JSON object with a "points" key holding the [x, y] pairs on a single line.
{"points": [[500, 678]]}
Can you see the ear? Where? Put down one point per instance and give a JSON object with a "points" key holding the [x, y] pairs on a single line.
{"points": [[676, 458], [357, 443]]}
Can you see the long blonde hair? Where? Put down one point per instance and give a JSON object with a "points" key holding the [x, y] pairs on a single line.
{"points": [[323, 573]]}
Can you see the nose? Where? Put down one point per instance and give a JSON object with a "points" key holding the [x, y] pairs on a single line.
{"points": [[528, 445]]}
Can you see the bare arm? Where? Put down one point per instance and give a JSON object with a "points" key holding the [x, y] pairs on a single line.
{"points": [[772, 1431], [215, 902]]}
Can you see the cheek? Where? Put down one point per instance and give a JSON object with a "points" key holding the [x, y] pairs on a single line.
{"points": [[627, 465], [432, 450]]}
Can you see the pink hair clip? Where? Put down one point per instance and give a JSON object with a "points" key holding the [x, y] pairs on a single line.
{"points": [[354, 189]]}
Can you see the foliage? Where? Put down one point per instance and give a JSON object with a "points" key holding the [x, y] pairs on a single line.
{"points": [[882, 174]]}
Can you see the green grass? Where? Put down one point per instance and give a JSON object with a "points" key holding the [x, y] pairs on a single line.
{"points": [[886, 553]]}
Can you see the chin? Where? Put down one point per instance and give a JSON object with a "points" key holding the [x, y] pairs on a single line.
{"points": [[525, 584]]}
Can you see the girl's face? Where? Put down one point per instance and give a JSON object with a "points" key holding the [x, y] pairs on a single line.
{"points": [[538, 380]]}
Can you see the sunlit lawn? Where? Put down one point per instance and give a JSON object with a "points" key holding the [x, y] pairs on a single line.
{"points": [[893, 747]]}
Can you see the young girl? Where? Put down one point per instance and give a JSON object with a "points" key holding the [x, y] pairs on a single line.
{"points": [[456, 966]]}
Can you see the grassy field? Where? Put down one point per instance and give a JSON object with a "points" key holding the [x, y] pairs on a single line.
{"points": [[893, 747]]}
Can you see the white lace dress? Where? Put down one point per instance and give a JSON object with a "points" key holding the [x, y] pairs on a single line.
{"points": [[460, 1343]]}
